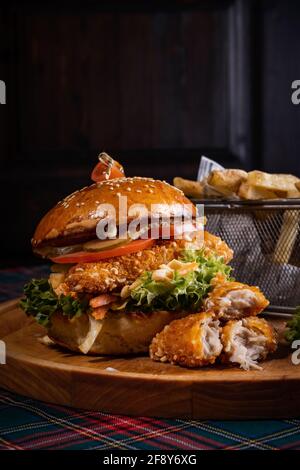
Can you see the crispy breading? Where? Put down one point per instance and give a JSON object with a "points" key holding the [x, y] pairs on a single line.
{"points": [[214, 245], [198, 340], [193, 341], [247, 341], [231, 300], [111, 275]]}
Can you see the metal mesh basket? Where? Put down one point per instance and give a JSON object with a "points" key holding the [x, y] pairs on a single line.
{"points": [[265, 237]]}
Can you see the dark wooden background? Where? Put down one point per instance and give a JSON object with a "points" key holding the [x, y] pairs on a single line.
{"points": [[155, 84]]}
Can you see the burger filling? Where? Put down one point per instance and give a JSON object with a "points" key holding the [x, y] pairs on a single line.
{"points": [[168, 276]]}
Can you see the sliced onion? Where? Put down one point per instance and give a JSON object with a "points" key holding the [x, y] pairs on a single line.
{"points": [[95, 327]]}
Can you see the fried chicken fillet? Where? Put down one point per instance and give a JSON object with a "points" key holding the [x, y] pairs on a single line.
{"points": [[193, 341], [233, 300], [214, 245], [111, 275], [247, 341], [198, 340]]}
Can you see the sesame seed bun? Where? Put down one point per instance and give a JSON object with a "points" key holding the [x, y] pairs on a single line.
{"points": [[79, 212]]}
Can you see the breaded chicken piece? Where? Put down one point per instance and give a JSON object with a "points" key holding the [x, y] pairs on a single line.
{"points": [[114, 273], [193, 341], [233, 300], [214, 245], [247, 341], [111, 275]]}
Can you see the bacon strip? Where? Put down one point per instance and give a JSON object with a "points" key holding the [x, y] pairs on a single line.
{"points": [[100, 312], [102, 300]]}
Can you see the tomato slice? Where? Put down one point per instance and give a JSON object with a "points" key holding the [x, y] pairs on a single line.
{"points": [[88, 257], [107, 168]]}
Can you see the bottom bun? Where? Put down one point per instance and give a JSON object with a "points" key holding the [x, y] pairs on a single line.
{"points": [[116, 334]]}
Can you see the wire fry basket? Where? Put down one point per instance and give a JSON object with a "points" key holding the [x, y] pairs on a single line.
{"points": [[265, 237]]}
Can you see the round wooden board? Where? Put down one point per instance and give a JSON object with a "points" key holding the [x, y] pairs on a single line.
{"points": [[138, 386]]}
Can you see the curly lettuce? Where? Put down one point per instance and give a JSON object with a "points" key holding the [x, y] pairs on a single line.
{"points": [[180, 293], [41, 302]]}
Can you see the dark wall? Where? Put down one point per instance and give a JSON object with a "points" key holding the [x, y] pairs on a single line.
{"points": [[156, 86], [281, 66]]}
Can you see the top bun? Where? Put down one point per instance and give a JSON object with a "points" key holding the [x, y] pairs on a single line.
{"points": [[77, 213]]}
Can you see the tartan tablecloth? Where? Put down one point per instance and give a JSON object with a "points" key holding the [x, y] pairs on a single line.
{"points": [[30, 424]]}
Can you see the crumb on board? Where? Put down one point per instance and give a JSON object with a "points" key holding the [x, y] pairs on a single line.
{"points": [[111, 369], [46, 340]]}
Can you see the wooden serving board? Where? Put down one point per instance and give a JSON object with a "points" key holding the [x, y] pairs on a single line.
{"points": [[138, 386]]}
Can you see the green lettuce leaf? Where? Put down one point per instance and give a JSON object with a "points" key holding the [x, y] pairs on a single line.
{"points": [[41, 302], [181, 293]]}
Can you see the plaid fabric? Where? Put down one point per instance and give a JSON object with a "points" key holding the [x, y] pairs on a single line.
{"points": [[12, 280], [29, 424]]}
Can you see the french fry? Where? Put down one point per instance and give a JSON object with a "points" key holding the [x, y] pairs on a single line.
{"points": [[248, 191], [189, 187], [294, 193], [273, 186], [280, 184], [227, 182], [235, 183], [287, 238]]}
